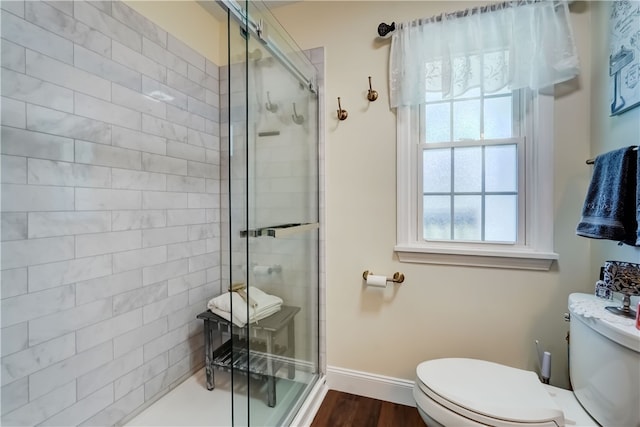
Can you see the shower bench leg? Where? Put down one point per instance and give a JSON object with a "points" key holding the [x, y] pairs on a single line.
{"points": [[266, 330], [208, 356]]}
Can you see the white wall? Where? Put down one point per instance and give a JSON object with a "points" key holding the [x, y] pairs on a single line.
{"points": [[608, 133], [190, 23], [439, 311]]}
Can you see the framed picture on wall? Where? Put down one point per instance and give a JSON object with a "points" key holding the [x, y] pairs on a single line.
{"points": [[624, 55]]}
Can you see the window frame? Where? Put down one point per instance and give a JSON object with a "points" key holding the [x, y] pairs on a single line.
{"points": [[536, 252], [518, 127], [520, 192]]}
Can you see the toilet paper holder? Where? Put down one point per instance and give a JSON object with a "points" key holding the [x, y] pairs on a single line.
{"points": [[397, 277]]}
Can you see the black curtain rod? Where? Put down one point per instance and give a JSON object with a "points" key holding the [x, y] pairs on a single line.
{"points": [[384, 29]]}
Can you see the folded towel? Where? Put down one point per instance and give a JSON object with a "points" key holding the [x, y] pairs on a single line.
{"points": [[241, 322], [611, 206], [263, 305]]}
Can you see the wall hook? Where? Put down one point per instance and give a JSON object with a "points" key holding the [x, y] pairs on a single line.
{"points": [[342, 114], [296, 118], [372, 95], [269, 106]]}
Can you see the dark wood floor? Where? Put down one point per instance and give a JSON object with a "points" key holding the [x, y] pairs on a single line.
{"points": [[348, 410]]}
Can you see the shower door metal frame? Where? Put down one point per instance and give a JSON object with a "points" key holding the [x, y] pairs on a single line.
{"points": [[259, 29]]}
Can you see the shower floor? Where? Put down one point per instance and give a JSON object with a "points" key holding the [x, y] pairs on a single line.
{"points": [[191, 404]]}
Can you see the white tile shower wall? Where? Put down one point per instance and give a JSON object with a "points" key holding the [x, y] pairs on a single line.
{"points": [[110, 211]]}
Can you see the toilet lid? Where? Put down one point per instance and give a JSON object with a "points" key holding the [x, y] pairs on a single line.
{"points": [[484, 390]]}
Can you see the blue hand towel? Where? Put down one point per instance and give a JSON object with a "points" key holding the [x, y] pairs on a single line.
{"points": [[611, 207]]}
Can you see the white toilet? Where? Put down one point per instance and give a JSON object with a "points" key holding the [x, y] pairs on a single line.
{"points": [[604, 364]]}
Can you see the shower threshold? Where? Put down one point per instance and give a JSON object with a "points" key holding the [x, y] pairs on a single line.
{"points": [[190, 404]]}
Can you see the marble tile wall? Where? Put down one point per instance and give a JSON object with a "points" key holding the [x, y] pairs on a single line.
{"points": [[110, 211]]}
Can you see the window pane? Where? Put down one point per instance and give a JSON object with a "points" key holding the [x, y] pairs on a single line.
{"points": [[467, 217], [466, 119], [501, 168], [433, 96], [436, 166], [498, 121], [467, 169], [501, 213], [436, 218], [438, 122]]}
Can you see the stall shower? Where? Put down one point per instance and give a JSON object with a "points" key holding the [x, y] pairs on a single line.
{"points": [[141, 179]]}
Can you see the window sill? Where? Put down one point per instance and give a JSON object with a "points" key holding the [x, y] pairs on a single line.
{"points": [[514, 259]]}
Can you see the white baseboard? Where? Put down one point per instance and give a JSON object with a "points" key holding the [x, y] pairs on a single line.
{"points": [[379, 387], [310, 407]]}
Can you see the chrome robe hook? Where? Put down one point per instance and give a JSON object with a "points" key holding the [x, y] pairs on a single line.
{"points": [[269, 106], [296, 118]]}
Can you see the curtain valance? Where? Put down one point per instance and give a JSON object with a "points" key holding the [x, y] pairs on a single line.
{"points": [[512, 44]]}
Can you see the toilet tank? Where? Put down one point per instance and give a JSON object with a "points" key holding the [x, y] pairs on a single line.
{"points": [[604, 361]]}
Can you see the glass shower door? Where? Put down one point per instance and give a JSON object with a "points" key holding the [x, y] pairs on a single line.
{"points": [[238, 157], [274, 223]]}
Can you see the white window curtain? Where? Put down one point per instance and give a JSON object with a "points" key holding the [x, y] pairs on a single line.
{"points": [[516, 44]]}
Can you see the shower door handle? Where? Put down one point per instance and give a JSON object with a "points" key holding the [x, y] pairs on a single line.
{"points": [[282, 230]]}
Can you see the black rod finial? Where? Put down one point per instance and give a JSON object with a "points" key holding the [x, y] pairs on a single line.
{"points": [[384, 29]]}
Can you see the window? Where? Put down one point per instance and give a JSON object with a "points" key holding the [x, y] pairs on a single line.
{"points": [[475, 173], [475, 180], [472, 171]]}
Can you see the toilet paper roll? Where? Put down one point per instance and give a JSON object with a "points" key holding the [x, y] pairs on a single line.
{"points": [[261, 270], [375, 280]]}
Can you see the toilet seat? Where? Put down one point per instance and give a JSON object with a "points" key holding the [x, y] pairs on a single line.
{"points": [[485, 393]]}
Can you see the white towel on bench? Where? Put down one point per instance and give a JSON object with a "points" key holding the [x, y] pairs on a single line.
{"points": [[265, 306]]}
